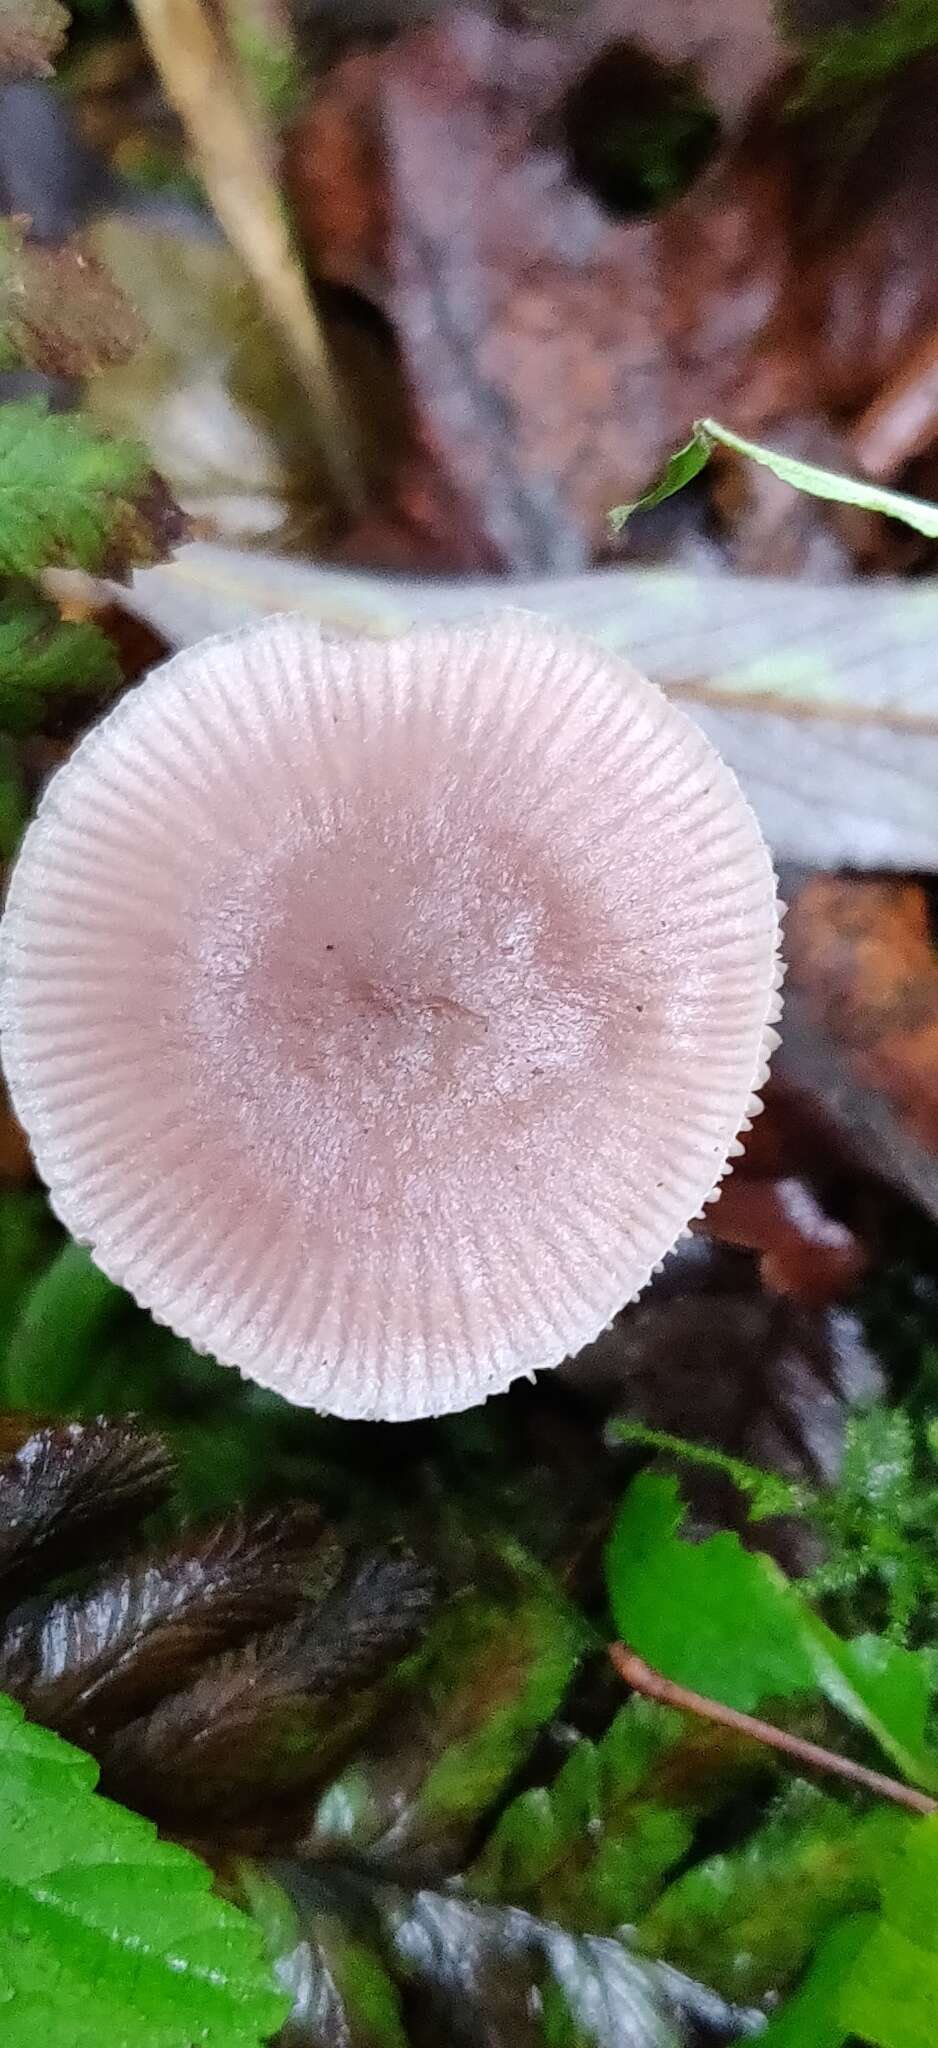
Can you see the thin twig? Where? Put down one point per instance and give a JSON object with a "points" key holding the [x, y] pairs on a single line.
{"points": [[642, 1678], [234, 160]]}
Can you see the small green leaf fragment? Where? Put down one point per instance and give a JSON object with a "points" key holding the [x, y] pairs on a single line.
{"points": [[881, 1686], [767, 1493], [815, 2014], [683, 466], [688, 462], [64, 1320], [875, 1975]]}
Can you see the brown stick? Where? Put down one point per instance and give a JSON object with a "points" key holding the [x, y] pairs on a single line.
{"points": [[642, 1678]]}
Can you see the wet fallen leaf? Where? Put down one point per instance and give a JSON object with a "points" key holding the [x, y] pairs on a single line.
{"points": [[260, 1725], [67, 1489], [551, 343], [85, 1662], [462, 1723]]}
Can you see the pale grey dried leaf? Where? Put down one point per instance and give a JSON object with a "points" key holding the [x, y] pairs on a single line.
{"points": [[824, 700]]}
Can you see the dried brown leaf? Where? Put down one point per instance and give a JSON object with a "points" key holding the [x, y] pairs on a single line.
{"points": [[31, 34], [60, 310], [69, 1489], [87, 1661]]}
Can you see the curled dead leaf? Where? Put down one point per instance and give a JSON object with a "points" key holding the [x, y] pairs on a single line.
{"points": [[60, 310], [803, 1251], [31, 34]]}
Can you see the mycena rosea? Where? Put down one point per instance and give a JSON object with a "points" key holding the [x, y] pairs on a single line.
{"points": [[380, 1012]]}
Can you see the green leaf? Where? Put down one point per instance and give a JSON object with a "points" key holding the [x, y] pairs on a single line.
{"points": [[711, 1615], [859, 56], [106, 1932], [26, 1236], [591, 1849], [682, 467], [725, 1622], [891, 1995], [766, 1493], [803, 476], [31, 34], [45, 659], [747, 1919], [14, 803], [881, 1686], [876, 1974], [63, 1322], [69, 498], [815, 2013]]}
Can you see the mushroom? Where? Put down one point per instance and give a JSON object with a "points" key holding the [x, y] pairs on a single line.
{"points": [[380, 1012]]}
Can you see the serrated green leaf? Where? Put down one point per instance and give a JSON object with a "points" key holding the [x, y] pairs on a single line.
{"points": [[45, 659], [725, 1622], [747, 1919], [70, 498], [590, 1850], [106, 1932], [803, 476], [713, 1616]]}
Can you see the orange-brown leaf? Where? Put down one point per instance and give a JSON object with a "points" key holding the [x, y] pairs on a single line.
{"points": [[861, 952]]}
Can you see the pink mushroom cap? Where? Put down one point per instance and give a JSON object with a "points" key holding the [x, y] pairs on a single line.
{"points": [[380, 1012]]}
